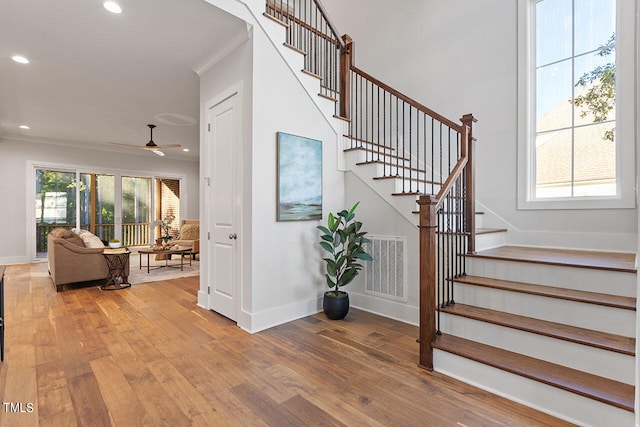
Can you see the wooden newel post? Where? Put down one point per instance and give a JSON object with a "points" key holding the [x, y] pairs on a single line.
{"points": [[470, 184], [428, 224], [346, 59]]}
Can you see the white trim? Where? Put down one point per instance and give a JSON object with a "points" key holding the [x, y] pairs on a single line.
{"points": [[221, 51], [625, 117], [32, 165]]}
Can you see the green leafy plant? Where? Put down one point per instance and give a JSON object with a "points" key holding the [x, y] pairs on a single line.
{"points": [[344, 240], [600, 85]]}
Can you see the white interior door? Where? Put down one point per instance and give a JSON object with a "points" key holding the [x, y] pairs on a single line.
{"points": [[223, 213]]}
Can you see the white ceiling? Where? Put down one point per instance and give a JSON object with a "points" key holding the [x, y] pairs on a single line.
{"points": [[95, 76]]}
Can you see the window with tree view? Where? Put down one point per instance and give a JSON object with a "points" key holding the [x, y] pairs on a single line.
{"points": [[575, 99]]}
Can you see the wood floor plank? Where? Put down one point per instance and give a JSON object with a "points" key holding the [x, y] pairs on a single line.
{"points": [[118, 394], [177, 364]]}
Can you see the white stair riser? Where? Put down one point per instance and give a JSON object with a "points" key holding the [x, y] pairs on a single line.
{"points": [[596, 361], [489, 240], [403, 204], [589, 316], [586, 279], [358, 156], [294, 58], [559, 403], [274, 30]]}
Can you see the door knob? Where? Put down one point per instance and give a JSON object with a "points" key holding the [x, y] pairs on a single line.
{"points": [[233, 236]]}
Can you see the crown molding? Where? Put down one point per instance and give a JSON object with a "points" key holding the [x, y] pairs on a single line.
{"points": [[222, 50]]}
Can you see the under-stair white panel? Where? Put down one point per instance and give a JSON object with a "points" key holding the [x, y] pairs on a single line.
{"points": [[590, 316], [586, 279], [489, 240], [604, 363], [562, 404]]}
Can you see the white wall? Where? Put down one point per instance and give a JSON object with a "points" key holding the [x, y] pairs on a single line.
{"points": [[458, 57], [288, 279], [14, 159]]}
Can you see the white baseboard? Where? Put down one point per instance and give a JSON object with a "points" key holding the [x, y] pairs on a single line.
{"points": [[399, 311], [256, 322], [15, 260]]}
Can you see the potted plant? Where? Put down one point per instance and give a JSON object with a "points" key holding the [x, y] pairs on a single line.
{"points": [[165, 225], [344, 240]]}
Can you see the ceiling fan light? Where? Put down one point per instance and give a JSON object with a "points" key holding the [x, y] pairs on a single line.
{"points": [[112, 6], [158, 152]]}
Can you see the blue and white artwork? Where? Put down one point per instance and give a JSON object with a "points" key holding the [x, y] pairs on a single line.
{"points": [[299, 178]]}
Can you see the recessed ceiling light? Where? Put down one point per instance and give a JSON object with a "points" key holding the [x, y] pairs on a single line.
{"points": [[185, 149], [24, 127], [112, 7], [20, 59]]}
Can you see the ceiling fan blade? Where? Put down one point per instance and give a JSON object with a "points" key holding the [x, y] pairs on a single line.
{"points": [[124, 145], [155, 147], [151, 146]]}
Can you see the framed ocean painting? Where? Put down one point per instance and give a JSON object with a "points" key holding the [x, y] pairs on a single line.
{"points": [[299, 178]]}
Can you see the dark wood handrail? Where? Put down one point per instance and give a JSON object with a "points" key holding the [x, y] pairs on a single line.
{"points": [[457, 170], [405, 98], [330, 38], [327, 18]]}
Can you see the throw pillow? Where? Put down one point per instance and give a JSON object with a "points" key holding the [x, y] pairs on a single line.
{"points": [[90, 240], [67, 235], [190, 232]]}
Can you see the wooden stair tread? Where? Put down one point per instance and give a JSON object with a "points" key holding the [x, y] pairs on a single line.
{"points": [[614, 261], [292, 47], [364, 141], [588, 337], [490, 230], [602, 389], [615, 301], [379, 154], [373, 162]]}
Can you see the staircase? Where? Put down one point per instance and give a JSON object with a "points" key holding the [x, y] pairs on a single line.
{"points": [[551, 328], [564, 341]]}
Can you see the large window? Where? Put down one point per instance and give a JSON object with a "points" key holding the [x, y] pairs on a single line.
{"points": [[572, 143], [107, 204]]}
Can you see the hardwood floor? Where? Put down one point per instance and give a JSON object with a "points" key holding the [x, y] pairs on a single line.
{"points": [[148, 355]]}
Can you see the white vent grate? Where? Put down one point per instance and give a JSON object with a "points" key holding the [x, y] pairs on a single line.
{"points": [[386, 275]]}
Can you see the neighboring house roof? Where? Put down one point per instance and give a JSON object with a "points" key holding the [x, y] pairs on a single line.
{"points": [[595, 157]]}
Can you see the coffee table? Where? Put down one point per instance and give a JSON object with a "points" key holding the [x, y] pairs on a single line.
{"points": [[182, 251]]}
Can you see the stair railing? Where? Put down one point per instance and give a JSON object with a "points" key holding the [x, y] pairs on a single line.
{"points": [[311, 32], [447, 231], [409, 140], [432, 154]]}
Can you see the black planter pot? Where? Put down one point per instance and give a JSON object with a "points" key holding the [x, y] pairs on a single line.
{"points": [[335, 306]]}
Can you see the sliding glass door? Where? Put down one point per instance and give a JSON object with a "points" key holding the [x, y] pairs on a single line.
{"points": [[55, 204], [136, 210], [97, 205], [108, 205]]}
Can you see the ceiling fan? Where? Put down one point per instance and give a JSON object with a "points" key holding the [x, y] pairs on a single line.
{"points": [[151, 146]]}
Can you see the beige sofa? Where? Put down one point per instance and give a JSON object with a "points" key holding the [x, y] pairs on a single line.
{"points": [[71, 262]]}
